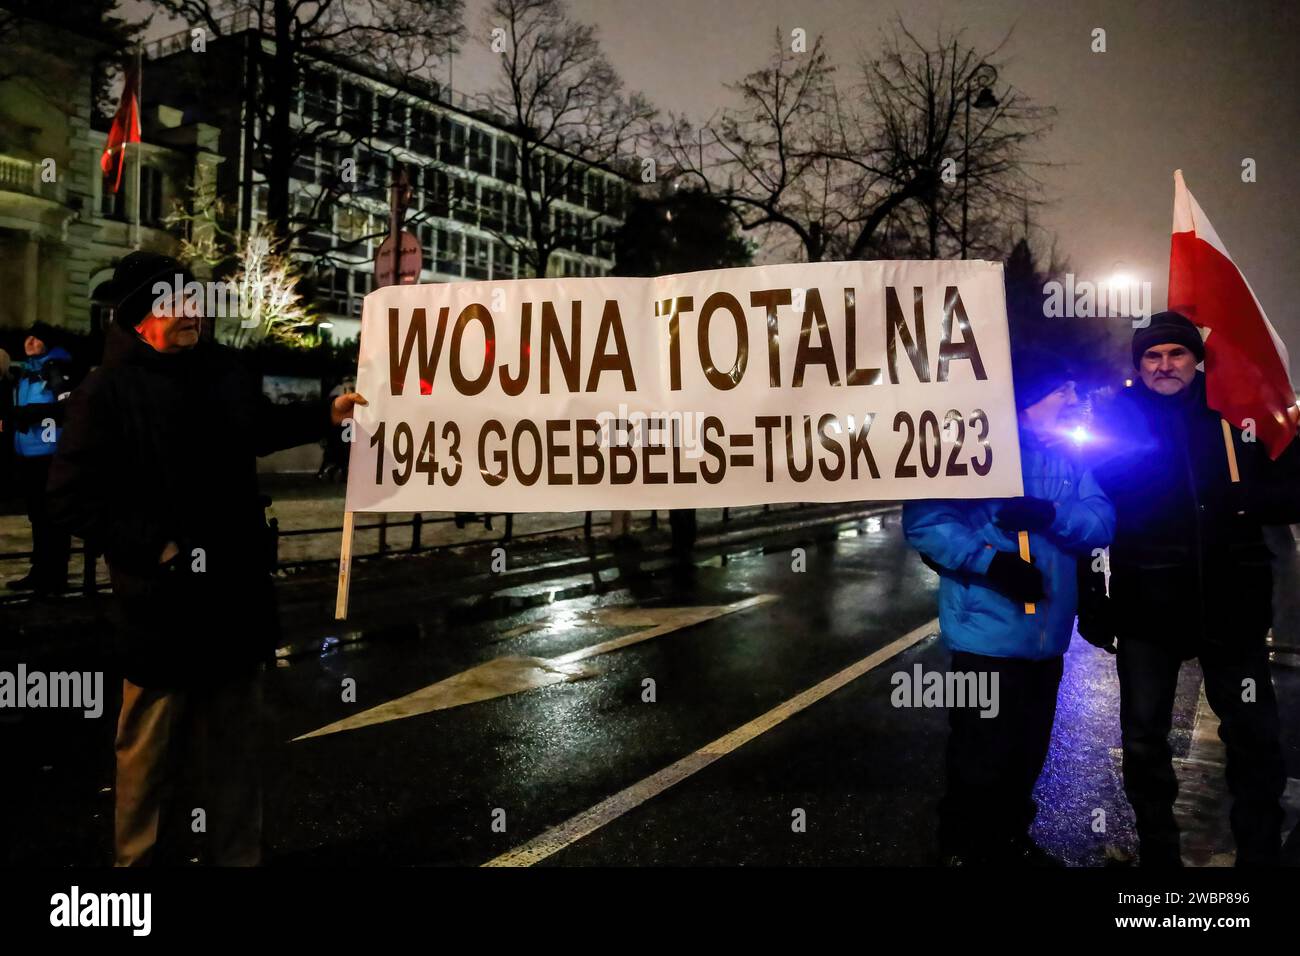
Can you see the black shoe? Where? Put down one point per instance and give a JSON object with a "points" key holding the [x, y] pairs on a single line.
{"points": [[50, 583], [1025, 852], [1268, 855], [1114, 855], [969, 857], [27, 583], [1291, 848], [1159, 857]]}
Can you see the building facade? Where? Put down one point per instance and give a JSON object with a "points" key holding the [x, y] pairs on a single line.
{"points": [[61, 231], [467, 206]]}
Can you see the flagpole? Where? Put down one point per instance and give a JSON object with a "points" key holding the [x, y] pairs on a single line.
{"points": [[1233, 472], [139, 146]]}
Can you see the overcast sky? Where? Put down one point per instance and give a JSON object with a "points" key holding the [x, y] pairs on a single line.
{"points": [[1192, 84]]}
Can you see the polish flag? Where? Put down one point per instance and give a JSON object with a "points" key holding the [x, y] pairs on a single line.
{"points": [[125, 129], [1246, 365]]}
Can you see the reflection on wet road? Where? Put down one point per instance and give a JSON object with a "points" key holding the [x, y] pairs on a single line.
{"points": [[734, 711], [512, 675], [591, 757]]}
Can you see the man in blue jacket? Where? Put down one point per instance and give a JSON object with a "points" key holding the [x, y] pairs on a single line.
{"points": [[43, 384], [995, 755]]}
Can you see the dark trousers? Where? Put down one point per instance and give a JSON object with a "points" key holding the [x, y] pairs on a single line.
{"points": [[682, 522], [1249, 729], [994, 762], [183, 751], [50, 546]]}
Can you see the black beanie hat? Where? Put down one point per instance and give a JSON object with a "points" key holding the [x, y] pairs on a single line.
{"points": [[1036, 373], [131, 290], [46, 333], [1165, 328]]}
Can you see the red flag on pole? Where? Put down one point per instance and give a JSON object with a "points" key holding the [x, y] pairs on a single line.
{"points": [[125, 129], [1246, 366]]}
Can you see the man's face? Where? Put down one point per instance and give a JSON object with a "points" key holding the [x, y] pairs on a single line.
{"points": [[170, 333], [33, 346], [1044, 415], [1168, 369]]}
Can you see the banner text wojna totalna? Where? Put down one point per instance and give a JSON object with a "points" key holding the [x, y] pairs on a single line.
{"points": [[499, 387]]}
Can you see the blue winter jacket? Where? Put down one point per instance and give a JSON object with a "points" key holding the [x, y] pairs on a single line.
{"points": [[960, 537], [40, 382]]}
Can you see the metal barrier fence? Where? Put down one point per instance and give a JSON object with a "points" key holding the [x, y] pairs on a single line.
{"points": [[417, 522]]}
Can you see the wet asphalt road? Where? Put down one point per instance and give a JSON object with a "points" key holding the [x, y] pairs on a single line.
{"points": [[461, 786], [422, 790]]}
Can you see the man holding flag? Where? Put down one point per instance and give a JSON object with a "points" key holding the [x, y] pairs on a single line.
{"points": [[1200, 462]]}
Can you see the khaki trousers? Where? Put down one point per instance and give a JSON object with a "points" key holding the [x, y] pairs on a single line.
{"points": [[179, 752]]}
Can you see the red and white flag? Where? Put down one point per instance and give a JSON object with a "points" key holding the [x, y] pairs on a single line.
{"points": [[1246, 365], [125, 129]]}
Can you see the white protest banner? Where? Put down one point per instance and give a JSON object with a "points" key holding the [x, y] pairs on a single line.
{"points": [[832, 381]]}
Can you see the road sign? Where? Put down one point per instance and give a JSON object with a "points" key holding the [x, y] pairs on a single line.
{"points": [[411, 264]]}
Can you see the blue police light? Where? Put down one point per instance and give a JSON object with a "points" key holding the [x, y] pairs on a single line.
{"points": [[1079, 434]]}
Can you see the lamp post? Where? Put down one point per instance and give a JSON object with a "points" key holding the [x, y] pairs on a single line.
{"points": [[981, 78]]}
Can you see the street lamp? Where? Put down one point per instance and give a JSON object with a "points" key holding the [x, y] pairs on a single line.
{"points": [[981, 78]]}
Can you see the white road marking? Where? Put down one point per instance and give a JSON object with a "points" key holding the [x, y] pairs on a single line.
{"points": [[610, 809], [503, 676]]}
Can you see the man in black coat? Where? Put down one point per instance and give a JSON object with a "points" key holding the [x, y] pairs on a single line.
{"points": [[156, 469], [1190, 577]]}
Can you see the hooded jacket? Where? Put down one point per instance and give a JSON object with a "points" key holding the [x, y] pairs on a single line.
{"points": [[960, 537], [1189, 564], [161, 448], [43, 385]]}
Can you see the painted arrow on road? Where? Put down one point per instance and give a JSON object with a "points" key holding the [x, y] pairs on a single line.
{"points": [[503, 676]]}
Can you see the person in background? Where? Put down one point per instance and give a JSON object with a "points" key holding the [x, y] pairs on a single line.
{"points": [[682, 523], [42, 384], [620, 526], [334, 455]]}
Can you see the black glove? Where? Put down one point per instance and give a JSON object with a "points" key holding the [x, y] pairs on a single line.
{"points": [[1026, 514], [27, 416], [1239, 502], [1017, 579], [932, 564], [1096, 619]]}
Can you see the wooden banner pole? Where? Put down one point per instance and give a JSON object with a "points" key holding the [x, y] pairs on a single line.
{"points": [[345, 567]]}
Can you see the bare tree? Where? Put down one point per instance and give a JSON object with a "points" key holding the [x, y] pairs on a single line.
{"points": [[873, 169], [767, 157], [28, 53], [565, 108], [9, 34], [915, 151]]}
